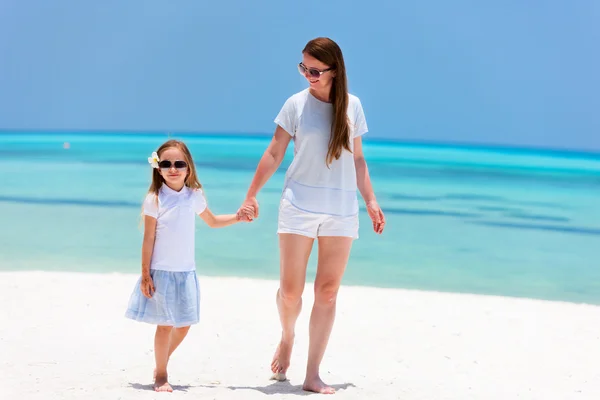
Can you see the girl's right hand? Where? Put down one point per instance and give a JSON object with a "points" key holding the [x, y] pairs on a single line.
{"points": [[147, 286]]}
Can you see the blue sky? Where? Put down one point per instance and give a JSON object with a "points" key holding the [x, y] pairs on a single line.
{"points": [[514, 72]]}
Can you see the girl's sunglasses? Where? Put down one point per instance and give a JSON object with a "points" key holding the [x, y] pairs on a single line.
{"points": [[166, 165], [312, 72]]}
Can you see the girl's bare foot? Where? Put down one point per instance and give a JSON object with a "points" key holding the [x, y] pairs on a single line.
{"points": [[161, 384], [317, 385], [281, 359]]}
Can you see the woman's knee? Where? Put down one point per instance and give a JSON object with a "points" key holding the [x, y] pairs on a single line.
{"points": [[326, 293], [290, 295]]}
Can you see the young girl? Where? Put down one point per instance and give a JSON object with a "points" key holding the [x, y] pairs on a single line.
{"points": [[167, 293]]}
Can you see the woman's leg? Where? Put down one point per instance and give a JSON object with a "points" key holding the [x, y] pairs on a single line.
{"points": [[334, 252], [161, 354], [294, 253]]}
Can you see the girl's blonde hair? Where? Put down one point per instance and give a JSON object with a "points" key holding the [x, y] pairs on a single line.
{"points": [[191, 180]]}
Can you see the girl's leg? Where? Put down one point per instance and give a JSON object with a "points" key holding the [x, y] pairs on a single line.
{"points": [[334, 252], [175, 339], [177, 336], [161, 353], [294, 254]]}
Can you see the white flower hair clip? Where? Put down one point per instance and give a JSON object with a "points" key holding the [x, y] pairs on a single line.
{"points": [[153, 160]]}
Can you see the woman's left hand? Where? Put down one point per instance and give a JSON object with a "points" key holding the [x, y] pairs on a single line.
{"points": [[376, 216]]}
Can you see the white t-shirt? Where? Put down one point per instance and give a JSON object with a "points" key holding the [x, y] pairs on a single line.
{"points": [[175, 216], [310, 184]]}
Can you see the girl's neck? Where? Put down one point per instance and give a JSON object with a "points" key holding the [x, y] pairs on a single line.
{"points": [[322, 95], [175, 188]]}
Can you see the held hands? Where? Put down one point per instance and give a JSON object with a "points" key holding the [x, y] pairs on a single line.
{"points": [[245, 214], [147, 286], [248, 211], [376, 216]]}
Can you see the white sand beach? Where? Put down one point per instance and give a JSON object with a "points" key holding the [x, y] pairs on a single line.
{"points": [[63, 336]]}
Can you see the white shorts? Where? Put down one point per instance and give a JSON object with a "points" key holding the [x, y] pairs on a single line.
{"points": [[295, 220]]}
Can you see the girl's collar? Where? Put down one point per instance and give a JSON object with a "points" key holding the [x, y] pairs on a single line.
{"points": [[165, 188]]}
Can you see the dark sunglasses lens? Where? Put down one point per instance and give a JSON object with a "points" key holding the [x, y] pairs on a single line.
{"points": [[314, 73], [164, 164], [180, 164]]}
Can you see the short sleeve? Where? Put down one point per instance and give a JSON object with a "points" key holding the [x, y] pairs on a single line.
{"points": [[287, 117], [150, 206], [199, 202], [360, 122]]}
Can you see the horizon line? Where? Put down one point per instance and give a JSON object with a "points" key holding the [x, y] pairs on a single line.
{"points": [[594, 153]]}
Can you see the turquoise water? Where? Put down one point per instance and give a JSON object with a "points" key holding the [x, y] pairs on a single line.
{"points": [[478, 220]]}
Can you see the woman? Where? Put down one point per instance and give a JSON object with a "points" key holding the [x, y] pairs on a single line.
{"points": [[319, 200]]}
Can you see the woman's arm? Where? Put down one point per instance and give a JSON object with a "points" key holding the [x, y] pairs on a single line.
{"points": [[270, 161], [363, 181]]}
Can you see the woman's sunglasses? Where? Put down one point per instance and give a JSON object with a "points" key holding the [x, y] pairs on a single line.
{"points": [[166, 165], [312, 72]]}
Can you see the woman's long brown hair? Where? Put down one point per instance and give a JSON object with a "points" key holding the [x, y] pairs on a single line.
{"points": [[328, 52]]}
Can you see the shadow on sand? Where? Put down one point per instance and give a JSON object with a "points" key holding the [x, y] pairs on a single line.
{"points": [[176, 388], [274, 388], [286, 388]]}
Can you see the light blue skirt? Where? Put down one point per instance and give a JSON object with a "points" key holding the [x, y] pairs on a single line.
{"points": [[175, 301]]}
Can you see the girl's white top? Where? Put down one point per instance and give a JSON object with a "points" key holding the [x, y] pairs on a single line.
{"points": [[310, 184], [175, 216]]}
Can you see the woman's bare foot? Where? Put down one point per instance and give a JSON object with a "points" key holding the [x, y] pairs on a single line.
{"points": [[161, 384], [317, 385], [281, 359]]}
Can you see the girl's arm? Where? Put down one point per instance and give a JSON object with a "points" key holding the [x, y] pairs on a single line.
{"points": [[147, 285], [218, 221], [148, 243]]}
